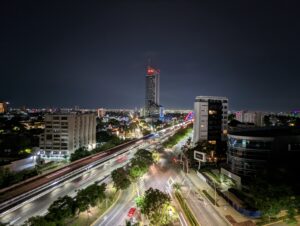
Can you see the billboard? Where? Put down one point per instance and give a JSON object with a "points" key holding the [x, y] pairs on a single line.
{"points": [[200, 156]]}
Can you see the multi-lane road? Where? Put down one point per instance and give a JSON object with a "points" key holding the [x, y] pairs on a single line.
{"points": [[158, 177], [67, 181]]}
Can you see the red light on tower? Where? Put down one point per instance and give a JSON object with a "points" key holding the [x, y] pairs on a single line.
{"points": [[152, 71]]}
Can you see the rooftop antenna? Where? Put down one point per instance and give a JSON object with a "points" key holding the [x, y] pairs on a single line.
{"points": [[149, 62]]}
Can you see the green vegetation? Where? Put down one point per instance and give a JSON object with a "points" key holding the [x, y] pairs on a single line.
{"points": [[179, 135], [155, 204], [271, 199], [188, 213], [16, 138], [177, 186], [44, 167], [79, 154], [211, 199], [8, 178], [120, 178], [155, 156], [139, 165], [66, 208], [83, 152]]}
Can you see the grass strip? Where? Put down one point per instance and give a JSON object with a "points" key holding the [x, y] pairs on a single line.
{"points": [[178, 136], [188, 213], [210, 198]]}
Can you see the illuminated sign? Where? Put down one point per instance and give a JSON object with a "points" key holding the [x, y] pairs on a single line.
{"points": [[200, 156]]}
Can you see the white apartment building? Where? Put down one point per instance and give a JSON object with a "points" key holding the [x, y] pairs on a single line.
{"points": [[255, 117], [66, 132], [211, 118]]}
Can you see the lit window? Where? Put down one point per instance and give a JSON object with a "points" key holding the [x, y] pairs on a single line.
{"points": [[212, 112]]}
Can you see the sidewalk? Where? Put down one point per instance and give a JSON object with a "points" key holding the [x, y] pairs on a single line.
{"points": [[224, 208]]}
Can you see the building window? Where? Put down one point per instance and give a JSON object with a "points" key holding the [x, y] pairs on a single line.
{"points": [[212, 112]]}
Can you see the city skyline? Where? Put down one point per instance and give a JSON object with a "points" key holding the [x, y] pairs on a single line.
{"points": [[95, 55]]}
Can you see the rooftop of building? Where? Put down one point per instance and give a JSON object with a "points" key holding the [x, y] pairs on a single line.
{"points": [[265, 131], [71, 113], [211, 98]]}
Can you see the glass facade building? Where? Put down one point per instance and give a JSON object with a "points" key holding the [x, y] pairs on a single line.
{"points": [[247, 155]]}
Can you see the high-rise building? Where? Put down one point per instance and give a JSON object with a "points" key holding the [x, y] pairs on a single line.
{"points": [[3, 107], [211, 119], [66, 132], [152, 106]]}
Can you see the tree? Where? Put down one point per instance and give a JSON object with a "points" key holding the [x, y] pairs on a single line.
{"points": [[140, 201], [39, 221], [144, 155], [154, 199], [79, 153], [177, 186], [155, 156], [271, 198], [137, 171], [120, 179], [83, 200], [155, 206], [62, 208], [103, 136], [95, 193]]}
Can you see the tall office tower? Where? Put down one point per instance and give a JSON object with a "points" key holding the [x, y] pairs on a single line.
{"points": [[152, 106], [3, 107], [66, 132], [210, 119]]}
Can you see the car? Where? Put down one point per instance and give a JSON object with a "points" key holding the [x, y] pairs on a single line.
{"points": [[131, 212]]}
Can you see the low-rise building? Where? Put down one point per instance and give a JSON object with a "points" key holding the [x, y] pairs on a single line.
{"points": [[66, 132], [255, 117]]}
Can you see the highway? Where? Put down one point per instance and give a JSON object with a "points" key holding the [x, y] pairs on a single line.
{"points": [[40, 202], [158, 177], [117, 215], [39, 206]]}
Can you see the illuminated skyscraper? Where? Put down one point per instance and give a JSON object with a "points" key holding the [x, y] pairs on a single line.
{"points": [[152, 106]]}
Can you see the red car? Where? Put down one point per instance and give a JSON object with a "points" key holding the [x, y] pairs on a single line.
{"points": [[131, 212]]}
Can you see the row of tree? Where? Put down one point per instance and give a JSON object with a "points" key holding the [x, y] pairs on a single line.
{"points": [[138, 166], [272, 198], [173, 140], [8, 177], [83, 152], [67, 207]]}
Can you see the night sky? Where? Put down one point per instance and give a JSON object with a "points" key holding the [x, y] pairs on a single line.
{"points": [[94, 53]]}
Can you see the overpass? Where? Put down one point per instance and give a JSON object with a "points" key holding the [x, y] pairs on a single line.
{"points": [[16, 196]]}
